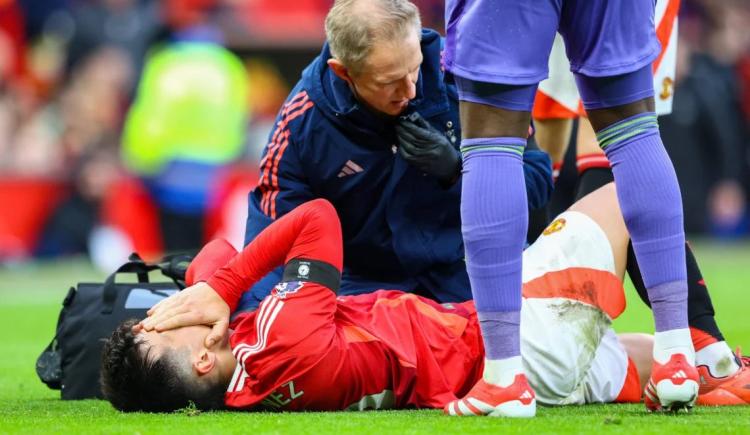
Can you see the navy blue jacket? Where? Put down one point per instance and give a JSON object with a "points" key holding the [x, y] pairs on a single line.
{"points": [[401, 227]]}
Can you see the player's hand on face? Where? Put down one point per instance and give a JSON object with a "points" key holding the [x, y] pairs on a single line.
{"points": [[426, 148], [198, 304]]}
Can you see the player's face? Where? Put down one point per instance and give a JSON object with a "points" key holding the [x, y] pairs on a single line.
{"points": [[388, 80], [191, 337]]}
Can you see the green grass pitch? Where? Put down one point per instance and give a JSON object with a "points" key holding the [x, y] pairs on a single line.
{"points": [[30, 297]]}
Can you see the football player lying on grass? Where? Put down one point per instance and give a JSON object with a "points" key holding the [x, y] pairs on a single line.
{"points": [[304, 348]]}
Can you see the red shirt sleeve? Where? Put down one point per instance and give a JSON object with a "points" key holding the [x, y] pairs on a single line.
{"points": [[211, 258], [310, 231]]}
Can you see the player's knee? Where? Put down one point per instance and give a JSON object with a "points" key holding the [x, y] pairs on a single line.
{"points": [[603, 118], [609, 100], [494, 110]]}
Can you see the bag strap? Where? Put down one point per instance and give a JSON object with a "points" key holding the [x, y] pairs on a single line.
{"points": [[175, 267], [141, 269]]}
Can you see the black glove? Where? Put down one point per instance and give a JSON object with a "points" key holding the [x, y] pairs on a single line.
{"points": [[427, 149]]}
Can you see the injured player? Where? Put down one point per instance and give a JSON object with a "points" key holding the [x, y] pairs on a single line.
{"points": [[304, 348]]}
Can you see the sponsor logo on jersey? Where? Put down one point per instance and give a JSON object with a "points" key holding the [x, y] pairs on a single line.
{"points": [[555, 226], [283, 289]]}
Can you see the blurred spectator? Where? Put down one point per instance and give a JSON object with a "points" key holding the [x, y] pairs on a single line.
{"points": [[70, 227], [706, 135], [81, 134], [187, 123]]}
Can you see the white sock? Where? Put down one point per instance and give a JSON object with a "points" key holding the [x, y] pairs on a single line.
{"points": [[502, 372], [667, 343], [719, 359]]}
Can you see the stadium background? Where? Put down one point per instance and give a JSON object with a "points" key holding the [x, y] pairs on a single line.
{"points": [[73, 202], [70, 71]]}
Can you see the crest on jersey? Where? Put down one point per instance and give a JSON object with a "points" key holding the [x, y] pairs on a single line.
{"points": [[554, 227], [303, 270], [283, 289], [667, 88]]}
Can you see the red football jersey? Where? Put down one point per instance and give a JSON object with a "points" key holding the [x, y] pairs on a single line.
{"points": [[306, 349]]}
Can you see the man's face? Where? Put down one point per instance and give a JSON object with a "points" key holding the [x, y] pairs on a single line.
{"points": [[387, 81], [216, 360]]}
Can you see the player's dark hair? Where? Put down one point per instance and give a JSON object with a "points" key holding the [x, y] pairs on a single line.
{"points": [[132, 380]]}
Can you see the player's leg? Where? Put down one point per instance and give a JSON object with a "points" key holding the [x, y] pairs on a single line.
{"points": [[715, 360], [613, 375], [494, 213], [602, 206], [640, 348], [572, 289], [616, 86], [652, 206], [553, 136], [721, 372], [714, 357], [496, 78]]}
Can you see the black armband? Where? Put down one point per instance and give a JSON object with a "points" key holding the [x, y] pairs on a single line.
{"points": [[319, 272]]}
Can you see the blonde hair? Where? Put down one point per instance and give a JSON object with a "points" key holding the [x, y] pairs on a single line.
{"points": [[354, 26]]}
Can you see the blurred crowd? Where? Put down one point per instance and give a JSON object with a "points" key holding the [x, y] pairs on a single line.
{"points": [[708, 133], [70, 76], [70, 82]]}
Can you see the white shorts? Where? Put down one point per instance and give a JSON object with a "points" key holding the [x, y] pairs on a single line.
{"points": [[559, 95], [570, 352]]}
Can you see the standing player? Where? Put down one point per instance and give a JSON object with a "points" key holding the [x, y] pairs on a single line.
{"points": [[497, 51]]}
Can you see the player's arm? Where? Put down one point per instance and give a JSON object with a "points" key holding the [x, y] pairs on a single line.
{"points": [[311, 233]]}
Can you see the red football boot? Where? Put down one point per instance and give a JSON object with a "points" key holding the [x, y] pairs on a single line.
{"points": [[732, 390], [673, 386], [515, 400]]}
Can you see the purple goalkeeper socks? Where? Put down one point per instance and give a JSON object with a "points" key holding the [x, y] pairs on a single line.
{"points": [[501, 333], [494, 215], [652, 208]]}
